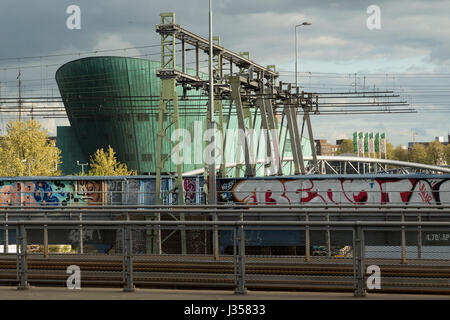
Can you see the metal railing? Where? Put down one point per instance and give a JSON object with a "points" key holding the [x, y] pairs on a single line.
{"points": [[239, 228]]}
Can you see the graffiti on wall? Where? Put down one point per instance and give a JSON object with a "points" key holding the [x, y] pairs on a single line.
{"points": [[45, 193], [95, 192], [90, 191], [335, 191]]}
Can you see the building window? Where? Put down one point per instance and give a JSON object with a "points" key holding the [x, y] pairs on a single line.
{"points": [[147, 157], [143, 117]]}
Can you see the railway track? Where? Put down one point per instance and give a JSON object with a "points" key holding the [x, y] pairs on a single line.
{"points": [[261, 273]]}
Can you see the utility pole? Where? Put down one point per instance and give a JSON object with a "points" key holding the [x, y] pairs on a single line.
{"points": [[20, 95]]}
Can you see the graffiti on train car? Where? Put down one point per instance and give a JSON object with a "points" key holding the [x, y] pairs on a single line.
{"points": [[335, 191]]}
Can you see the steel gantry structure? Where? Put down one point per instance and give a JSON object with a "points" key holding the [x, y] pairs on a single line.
{"points": [[251, 90]]}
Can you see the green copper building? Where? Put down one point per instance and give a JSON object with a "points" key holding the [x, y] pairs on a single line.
{"points": [[114, 101]]}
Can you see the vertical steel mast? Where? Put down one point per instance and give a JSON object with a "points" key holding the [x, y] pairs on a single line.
{"points": [[212, 163]]}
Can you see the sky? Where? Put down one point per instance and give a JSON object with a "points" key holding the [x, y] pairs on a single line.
{"points": [[409, 53]]}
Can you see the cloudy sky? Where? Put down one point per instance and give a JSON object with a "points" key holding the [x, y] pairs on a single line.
{"points": [[410, 54]]}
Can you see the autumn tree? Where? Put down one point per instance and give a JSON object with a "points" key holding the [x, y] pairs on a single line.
{"points": [[105, 164], [435, 152], [400, 154], [418, 154], [27, 150], [346, 147], [447, 154]]}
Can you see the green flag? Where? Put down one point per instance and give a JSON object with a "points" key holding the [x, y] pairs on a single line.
{"points": [[371, 143], [360, 142], [366, 142], [377, 142], [355, 142], [383, 143]]}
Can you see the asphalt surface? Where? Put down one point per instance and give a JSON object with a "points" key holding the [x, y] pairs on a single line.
{"points": [[54, 293]]}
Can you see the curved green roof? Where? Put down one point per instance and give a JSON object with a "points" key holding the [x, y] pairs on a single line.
{"points": [[114, 101]]}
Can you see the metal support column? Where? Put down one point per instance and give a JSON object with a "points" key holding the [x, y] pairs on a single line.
{"points": [[307, 241], [271, 133], [311, 137], [359, 256], [328, 237], [294, 138], [241, 259], [129, 286], [403, 241], [45, 237], [23, 275], [266, 132], [169, 94], [169, 120], [6, 234], [80, 234], [236, 97], [419, 239]]}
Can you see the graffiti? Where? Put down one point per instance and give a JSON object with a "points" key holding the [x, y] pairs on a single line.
{"points": [[338, 191], [133, 189], [282, 191], [115, 192], [88, 235], [190, 190], [34, 193], [90, 191], [95, 192]]}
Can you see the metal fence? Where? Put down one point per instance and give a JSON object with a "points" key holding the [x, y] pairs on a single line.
{"points": [[335, 255]]}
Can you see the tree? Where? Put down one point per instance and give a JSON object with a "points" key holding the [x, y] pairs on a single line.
{"points": [[447, 154], [346, 147], [27, 150], [400, 154], [418, 154], [389, 150], [105, 164], [436, 153]]}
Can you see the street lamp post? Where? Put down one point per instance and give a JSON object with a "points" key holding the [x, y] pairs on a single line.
{"points": [[29, 165], [296, 50], [82, 166]]}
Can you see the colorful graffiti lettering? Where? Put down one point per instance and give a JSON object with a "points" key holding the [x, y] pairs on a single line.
{"points": [[335, 191]]}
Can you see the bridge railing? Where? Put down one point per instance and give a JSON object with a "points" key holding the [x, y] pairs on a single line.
{"points": [[355, 267]]}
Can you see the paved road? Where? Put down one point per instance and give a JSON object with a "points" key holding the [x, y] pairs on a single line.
{"points": [[47, 293]]}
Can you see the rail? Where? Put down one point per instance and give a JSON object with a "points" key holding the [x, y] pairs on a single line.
{"points": [[360, 233]]}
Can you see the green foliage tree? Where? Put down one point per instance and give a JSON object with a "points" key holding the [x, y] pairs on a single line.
{"points": [[400, 154], [105, 164], [436, 153], [346, 147], [419, 154], [27, 150]]}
